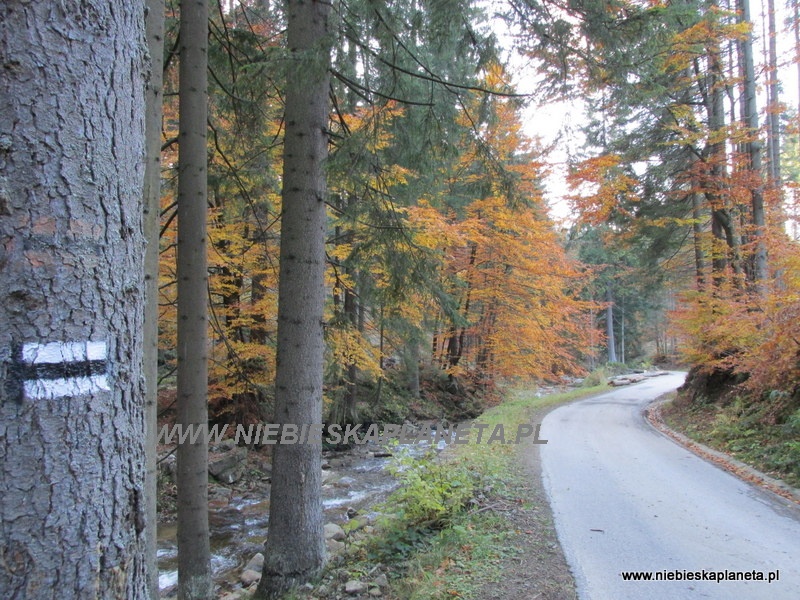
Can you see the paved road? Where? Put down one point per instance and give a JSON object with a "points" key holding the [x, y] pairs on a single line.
{"points": [[627, 498]]}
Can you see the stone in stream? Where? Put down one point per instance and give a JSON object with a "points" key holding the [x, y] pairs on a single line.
{"points": [[228, 466], [334, 532], [354, 587], [252, 571]]}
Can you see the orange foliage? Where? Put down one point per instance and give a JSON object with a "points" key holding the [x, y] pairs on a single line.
{"points": [[602, 189], [754, 332], [518, 308]]}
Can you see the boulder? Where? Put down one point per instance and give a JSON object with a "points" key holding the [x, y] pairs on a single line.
{"points": [[256, 563], [354, 587], [249, 577], [334, 532], [228, 467], [334, 547]]}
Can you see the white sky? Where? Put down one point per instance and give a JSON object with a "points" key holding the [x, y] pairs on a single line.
{"points": [[549, 121]]}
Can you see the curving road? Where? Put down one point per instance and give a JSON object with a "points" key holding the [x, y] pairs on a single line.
{"points": [[627, 498]]}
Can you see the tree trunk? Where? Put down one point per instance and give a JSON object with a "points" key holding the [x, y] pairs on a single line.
{"points": [[611, 341], [411, 357], [796, 29], [154, 23], [350, 400], [194, 553], [722, 226], [295, 547], [72, 509], [773, 94], [697, 232], [753, 149]]}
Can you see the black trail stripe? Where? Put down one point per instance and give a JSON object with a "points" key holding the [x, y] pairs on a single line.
{"points": [[65, 370]]}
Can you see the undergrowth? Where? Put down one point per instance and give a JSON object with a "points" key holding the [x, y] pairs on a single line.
{"points": [[442, 533], [751, 430]]}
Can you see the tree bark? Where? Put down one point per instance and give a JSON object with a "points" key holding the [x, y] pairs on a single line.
{"points": [[72, 509], [611, 341], [295, 547], [773, 93], [194, 553], [154, 24], [697, 237], [753, 149]]}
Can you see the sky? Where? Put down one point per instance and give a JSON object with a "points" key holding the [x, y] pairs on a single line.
{"points": [[557, 123]]}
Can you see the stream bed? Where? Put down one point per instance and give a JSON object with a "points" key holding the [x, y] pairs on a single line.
{"points": [[353, 480]]}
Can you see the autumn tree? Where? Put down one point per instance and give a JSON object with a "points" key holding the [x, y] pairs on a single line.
{"points": [[503, 265], [676, 86], [72, 504]]}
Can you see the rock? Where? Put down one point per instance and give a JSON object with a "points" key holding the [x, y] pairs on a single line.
{"points": [[376, 592], [227, 445], [256, 563], [334, 532], [249, 577], [354, 587], [229, 466], [168, 465], [381, 581], [334, 547]]}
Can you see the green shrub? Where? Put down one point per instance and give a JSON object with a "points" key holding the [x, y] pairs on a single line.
{"points": [[430, 492]]}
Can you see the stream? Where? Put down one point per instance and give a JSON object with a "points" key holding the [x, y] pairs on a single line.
{"points": [[353, 480]]}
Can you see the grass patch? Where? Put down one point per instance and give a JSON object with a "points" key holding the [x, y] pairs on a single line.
{"points": [[448, 535]]}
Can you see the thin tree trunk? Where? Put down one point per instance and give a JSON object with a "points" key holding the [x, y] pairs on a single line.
{"points": [[796, 29], [697, 231], [773, 92], [412, 367], [194, 553], [611, 341], [72, 507], [295, 547], [722, 226], [154, 23], [753, 149], [622, 330]]}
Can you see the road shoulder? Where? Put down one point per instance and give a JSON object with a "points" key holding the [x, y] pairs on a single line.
{"points": [[539, 570], [654, 416]]}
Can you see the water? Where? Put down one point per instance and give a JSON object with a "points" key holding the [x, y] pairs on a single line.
{"points": [[238, 520]]}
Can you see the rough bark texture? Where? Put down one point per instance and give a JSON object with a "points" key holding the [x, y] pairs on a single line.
{"points": [[295, 548], [154, 22], [194, 553], [71, 250]]}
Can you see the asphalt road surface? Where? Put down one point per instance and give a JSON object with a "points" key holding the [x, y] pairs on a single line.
{"points": [[627, 498]]}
